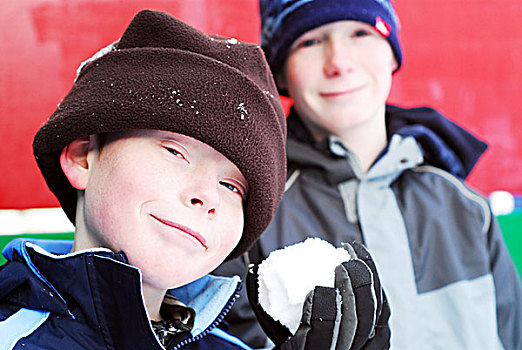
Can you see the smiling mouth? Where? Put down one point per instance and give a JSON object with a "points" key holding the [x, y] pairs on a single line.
{"points": [[184, 229], [335, 94]]}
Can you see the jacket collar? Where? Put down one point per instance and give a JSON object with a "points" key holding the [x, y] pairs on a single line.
{"points": [[444, 144], [87, 283]]}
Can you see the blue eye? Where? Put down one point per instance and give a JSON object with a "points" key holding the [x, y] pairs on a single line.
{"points": [[230, 186], [233, 188], [361, 33], [175, 152], [308, 43]]}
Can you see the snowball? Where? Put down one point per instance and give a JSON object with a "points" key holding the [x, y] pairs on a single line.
{"points": [[502, 202], [289, 274]]}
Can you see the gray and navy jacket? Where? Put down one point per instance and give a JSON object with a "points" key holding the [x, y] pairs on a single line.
{"points": [[50, 299], [439, 251]]}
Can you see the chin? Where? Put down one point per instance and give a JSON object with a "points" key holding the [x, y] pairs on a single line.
{"points": [[178, 280], [164, 282]]}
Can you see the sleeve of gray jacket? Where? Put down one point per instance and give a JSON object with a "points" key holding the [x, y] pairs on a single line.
{"points": [[508, 289]]}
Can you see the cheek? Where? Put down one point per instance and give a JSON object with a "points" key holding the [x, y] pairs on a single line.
{"points": [[383, 73], [386, 81], [298, 74], [236, 229], [232, 230], [115, 195], [381, 70], [236, 235], [383, 62]]}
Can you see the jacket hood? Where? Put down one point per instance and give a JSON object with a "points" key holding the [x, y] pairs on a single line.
{"points": [[445, 144]]}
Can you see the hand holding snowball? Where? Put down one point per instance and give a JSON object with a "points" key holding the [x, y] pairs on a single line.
{"points": [[312, 295]]}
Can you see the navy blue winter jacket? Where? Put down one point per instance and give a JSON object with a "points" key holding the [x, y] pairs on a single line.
{"points": [[50, 299]]}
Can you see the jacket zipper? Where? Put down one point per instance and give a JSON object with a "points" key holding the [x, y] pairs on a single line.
{"points": [[217, 321]]}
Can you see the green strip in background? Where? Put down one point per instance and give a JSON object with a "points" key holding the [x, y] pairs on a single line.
{"points": [[4, 239], [511, 226]]}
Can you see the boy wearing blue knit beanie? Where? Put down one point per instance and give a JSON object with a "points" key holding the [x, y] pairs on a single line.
{"points": [[392, 178]]}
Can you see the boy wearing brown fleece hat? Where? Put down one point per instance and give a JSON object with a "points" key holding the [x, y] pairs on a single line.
{"points": [[168, 155]]}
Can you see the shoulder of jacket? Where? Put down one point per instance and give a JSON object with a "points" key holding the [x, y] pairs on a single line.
{"points": [[463, 189], [19, 325]]}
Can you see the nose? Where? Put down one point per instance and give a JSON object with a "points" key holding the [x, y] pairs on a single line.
{"points": [[337, 59], [203, 196]]}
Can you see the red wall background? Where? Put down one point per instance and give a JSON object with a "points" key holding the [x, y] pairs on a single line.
{"points": [[463, 57]]}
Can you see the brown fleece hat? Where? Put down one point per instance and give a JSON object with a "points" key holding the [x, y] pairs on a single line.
{"points": [[166, 75]]}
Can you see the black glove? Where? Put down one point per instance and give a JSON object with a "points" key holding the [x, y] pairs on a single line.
{"points": [[352, 315]]}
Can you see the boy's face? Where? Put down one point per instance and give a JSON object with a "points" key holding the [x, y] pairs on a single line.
{"points": [[173, 204], [339, 76]]}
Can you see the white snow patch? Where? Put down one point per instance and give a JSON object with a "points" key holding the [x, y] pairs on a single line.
{"points": [[102, 52], [287, 275], [241, 107]]}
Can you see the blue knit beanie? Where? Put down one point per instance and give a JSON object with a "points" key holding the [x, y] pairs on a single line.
{"points": [[283, 21]]}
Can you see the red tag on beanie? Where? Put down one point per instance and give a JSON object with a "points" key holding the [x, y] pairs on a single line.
{"points": [[382, 27]]}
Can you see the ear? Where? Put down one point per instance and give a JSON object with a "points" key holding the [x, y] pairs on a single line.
{"points": [[394, 64], [74, 162]]}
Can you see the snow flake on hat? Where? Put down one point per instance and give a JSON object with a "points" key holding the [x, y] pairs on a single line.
{"points": [[244, 113], [232, 41], [266, 92], [102, 52], [382, 27]]}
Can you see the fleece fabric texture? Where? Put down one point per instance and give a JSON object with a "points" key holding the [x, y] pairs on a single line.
{"points": [[166, 75]]}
